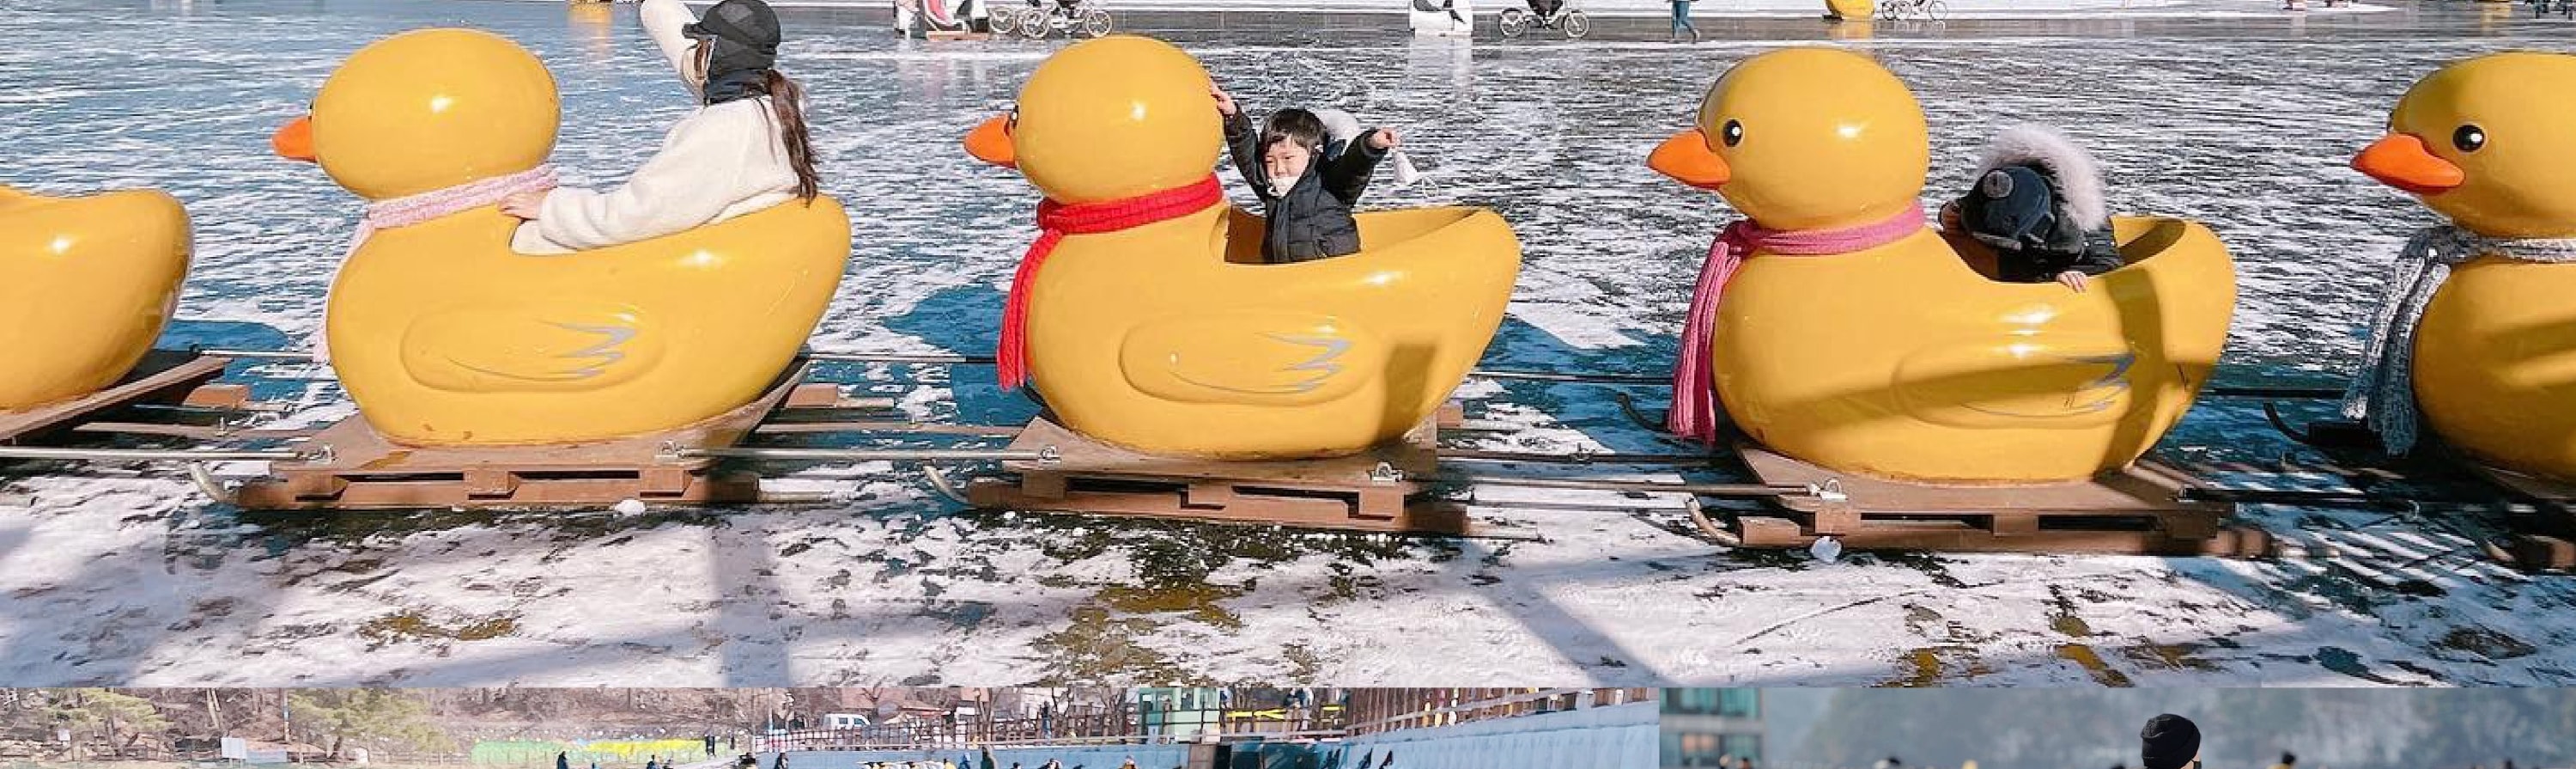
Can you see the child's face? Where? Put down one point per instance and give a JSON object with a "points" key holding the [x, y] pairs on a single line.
{"points": [[1284, 161]]}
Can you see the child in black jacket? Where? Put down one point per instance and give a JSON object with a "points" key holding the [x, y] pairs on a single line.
{"points": [[1306, 189], [2038, 203]]}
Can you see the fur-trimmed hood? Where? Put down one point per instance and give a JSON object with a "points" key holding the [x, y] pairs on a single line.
{"points": [[2078, 181]]}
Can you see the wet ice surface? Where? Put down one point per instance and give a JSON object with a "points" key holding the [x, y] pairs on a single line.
{"points": [[125, 576]]}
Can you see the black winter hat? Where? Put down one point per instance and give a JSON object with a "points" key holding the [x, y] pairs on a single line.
{"points": [[2168, 742], [746, 35]]}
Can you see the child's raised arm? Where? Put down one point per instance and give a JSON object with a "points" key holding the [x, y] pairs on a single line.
{"points": [[1242, 143], [662, 22], [1347, 177]]}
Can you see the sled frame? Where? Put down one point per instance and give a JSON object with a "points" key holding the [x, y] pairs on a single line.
{"points": [[163, 377], [1381, 490], [362, 470], [2141, 509]]}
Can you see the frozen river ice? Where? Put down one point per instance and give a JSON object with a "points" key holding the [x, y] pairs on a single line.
{"points": [[126, 576]]}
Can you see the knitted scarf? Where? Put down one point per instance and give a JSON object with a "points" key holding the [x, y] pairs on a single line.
{"points": [[1057, 220], [1694, 407], [414, 209], [2382, 393]]}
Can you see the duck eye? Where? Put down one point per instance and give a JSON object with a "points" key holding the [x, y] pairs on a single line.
{"points": [[1732, 134], [2469, 138]]}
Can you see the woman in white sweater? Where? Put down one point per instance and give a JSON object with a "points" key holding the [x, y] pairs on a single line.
{"points": [[744, 149]]}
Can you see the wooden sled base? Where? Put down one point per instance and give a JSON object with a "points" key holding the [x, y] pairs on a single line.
{"points": [[165, 377], [1372, 491], [2133, 511], [2546, 540], [363, 470], [948, 36]]}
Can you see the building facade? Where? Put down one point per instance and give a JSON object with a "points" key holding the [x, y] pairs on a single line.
{"points": [[1700, 726]]}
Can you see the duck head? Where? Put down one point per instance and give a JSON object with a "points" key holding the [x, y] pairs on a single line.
{"points": [[427, 110], [1107, 119], [1805, 139], [2489, 142]]}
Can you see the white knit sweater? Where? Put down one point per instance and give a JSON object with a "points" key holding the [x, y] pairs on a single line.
{"points": [[717, 163]]}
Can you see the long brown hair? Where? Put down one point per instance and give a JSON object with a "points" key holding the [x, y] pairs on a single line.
{"points": [[787, 101]]}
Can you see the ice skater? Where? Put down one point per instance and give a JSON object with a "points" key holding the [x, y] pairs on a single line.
{"points": [[2169, 742]]}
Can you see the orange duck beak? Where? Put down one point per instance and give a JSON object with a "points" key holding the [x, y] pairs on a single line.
{"points": [[2404, 162], [991, 142], [295, 141], [1686, 157]]}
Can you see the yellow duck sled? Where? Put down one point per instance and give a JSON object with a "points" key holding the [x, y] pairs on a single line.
{"points": [[1169, 338], [2484, 142], [445, 336], [1902, 360], [86, 285]]}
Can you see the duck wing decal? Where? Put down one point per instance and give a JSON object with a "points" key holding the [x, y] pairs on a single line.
{"points": [[1251, 358], [2023, 382], [556, 347]]}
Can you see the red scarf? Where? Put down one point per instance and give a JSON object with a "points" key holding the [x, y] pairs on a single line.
{"points": [[1057, 220], [1694, 409]]}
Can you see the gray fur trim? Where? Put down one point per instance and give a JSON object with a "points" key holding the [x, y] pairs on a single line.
{"points": [[2076, 176]]}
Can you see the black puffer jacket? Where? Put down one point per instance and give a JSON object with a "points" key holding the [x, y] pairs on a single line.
{"points": [[2019, 211], [1313, 221]]}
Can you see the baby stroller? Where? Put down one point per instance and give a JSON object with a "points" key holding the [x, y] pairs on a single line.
{"points": [[928, 16], [1443, 18], [1546, 14]]}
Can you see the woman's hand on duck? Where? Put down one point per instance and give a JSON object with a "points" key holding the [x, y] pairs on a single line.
{"points": [[2072, 279], [1384, 139], [1950, 217], [524, 205], [1224, 103]]}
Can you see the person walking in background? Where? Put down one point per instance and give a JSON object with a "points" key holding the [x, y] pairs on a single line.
{"points": [[563, 761], [1682, 21], [2169, 742]]}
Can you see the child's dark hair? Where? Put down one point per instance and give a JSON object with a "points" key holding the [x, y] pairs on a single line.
{"points": [[1294, 125]]}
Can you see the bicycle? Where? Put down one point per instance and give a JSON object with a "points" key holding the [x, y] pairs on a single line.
{"points": [[1005, 20], [1037, 23], [1519, 21], [1900, 10]]}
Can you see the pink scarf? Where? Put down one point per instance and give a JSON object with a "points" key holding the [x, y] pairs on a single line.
{"points": [[414, 209], [1694, 409]]}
